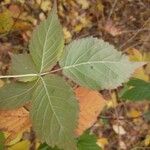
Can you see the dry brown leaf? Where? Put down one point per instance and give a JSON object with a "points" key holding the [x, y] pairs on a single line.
{"points": [[91, 103], [112, 29], [14, 122]]}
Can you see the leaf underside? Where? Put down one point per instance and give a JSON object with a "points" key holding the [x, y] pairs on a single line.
{"points": [[95, 64], [54, 112], [23, 64], [47, 42], [15, 95]]}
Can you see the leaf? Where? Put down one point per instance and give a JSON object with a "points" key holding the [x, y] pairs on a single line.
{"points": [[46, 147], [14, 122], [102, 142], [15, 95], [47, 42], [84, 142], [119, 129], [2, 140], [23, 64], [93, 63], [54, 112], [91, 104], [23, 145], [6, 21], [87, 142], [137, 90]]}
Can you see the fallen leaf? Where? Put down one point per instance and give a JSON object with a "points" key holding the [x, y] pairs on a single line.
{"points": [[15, 10], [112, 103], [134, 113], [102, 142], [46, 5], [91, 103], [6, 21], [119, 129], [84, 3], [147, 140], [14, 122], [112, 29], [23, 145], [134, 54]]}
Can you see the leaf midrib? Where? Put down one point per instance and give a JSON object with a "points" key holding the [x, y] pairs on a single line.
{"points": [[92, 62], [46, 38], [49, 100]]}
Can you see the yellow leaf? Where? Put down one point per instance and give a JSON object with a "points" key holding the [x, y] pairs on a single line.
{"points": [[135, 55], [134, 113], [6, 21], [23, 145], [67, 34], [102, 142], [112, 103], [84, 3], [91, 103], [147, 140], [46, 5], [15, 140], [140, 74]]}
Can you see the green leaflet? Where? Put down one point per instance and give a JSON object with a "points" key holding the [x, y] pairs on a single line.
{"points": [[47, 42], [54, 112], [137, 90], [2, 141], [87, 142], [84, 142], [23, 64], [96, 64], [16, 94], [46, 147]]}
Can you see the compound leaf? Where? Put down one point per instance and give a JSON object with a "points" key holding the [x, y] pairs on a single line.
{"points": [[96, 64], [15, 95], [54, 112], [23, 64], [47, 42], [137, 90]]}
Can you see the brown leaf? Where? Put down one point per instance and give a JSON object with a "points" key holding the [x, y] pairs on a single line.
{"points": [[112, 29], [91, 103], [14, 122]]}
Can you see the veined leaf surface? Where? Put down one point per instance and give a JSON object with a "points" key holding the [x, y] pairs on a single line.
{"points": [[23, 64], [47, 42], [54, 112], [95, 64], [16, 94]]}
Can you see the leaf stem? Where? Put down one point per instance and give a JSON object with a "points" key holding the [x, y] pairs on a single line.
{"points": [[18, 76]]}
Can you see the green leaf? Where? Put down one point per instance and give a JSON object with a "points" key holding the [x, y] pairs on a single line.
{"points": [[15, 95], [87, 142], [84, 142], [93, 63], [23, 64], [2, 141], [47, 42], [46, 147], [54, 112], [137, 90]]}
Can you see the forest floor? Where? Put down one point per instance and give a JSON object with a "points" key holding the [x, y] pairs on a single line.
{"points": [[123, 23]]}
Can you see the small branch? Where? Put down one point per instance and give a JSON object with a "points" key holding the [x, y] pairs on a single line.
{"points": [[120, 118]]}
